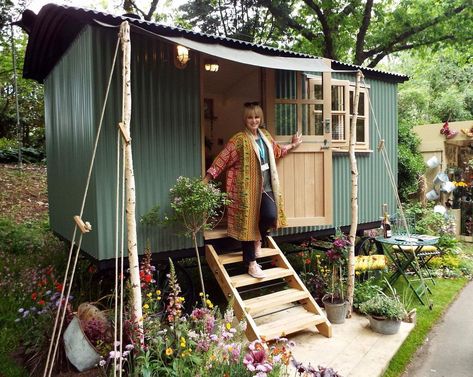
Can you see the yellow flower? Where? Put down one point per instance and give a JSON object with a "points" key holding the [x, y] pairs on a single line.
{"points": [[158, 298], [209, 303], [145, 306], [169, 351], [201, 294], [228, 326], [149, 294], [183, 342], [158, 292]]}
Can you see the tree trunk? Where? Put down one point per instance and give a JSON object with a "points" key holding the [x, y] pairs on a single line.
{"points": [[354, 197], [133, 261]]}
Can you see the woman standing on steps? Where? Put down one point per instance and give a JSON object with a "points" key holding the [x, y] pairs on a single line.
{"points": [[252, 184]]}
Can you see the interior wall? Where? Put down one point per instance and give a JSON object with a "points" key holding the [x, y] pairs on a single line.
{"points": [[228, 89]]}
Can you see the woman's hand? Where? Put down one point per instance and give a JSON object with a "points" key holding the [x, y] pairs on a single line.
{"points": [[296, 140]]}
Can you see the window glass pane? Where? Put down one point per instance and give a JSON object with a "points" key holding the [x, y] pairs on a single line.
{"points": [[361, 103], [338, 98], [312, 120], [312, 89], [360, 130], [286, 85], [286, 119], [338, 127]]}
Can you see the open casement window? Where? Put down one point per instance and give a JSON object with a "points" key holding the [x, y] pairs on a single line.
{"points": [[343, 93], [301, 103]]}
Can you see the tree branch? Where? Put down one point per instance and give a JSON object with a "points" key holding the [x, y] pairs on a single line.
{"points": [[411, 46], [388, 47], [327, 31], [282, 17], [360, 37]]}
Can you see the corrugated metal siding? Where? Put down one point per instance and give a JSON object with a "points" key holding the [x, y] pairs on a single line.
{"points": [[165, 133], [69, 109], [374, 187]]}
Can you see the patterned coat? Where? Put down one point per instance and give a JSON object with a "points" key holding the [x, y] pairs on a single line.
{"points": [[240, 158]]}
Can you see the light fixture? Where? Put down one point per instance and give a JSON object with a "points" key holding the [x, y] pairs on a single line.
{"points": [[211, 65], [182, 57]]}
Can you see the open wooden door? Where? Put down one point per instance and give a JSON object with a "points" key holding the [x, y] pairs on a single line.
{"points": [[301, 102]]}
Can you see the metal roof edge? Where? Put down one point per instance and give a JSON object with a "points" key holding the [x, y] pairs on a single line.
{"points": [[56, 27]]}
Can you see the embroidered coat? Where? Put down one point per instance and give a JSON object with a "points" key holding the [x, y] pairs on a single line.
{"points": [[241, 159]]}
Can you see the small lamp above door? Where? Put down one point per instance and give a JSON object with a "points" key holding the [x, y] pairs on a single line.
{"points": [[211, 65]]}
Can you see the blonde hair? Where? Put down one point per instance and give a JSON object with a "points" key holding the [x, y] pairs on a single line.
{"points": [[253, 109]]}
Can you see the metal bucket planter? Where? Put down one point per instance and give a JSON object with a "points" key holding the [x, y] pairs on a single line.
{"points": [[336, 311], [384, 326], [79, 350], [441, 178], [433, 162]]}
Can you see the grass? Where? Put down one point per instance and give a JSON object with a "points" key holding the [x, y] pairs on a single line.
{"points": [[443, 294]]}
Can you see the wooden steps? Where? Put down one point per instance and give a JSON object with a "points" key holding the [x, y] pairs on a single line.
{"points": [[271, 312]]}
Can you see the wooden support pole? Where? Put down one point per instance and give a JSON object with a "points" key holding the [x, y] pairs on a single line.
{"points": [[136, 309], [354, 196]]}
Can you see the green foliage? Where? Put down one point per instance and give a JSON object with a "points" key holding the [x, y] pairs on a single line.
{"points": [[21, 238], [365, 291], [335, 29], [197, 205], [410, 162], [382, 305], [204, 343]]}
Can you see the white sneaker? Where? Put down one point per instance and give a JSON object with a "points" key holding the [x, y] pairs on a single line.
{"points": [[256, 271]]}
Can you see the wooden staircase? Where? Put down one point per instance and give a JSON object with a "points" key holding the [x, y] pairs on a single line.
{"points": [[283, 304]]}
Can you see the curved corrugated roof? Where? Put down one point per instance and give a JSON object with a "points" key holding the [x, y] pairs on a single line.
{"points": [[53, 30]]}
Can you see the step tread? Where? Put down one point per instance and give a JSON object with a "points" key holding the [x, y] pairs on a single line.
{"points": [[271, 274], [287, 322], [236, 256], [286, 296]]}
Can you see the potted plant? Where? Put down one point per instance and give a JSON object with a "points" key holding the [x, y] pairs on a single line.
{"points": [[87, 337], [334, 301], [385, 312]]}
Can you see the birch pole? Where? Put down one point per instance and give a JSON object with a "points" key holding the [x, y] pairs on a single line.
{"points": [[136, 309], [354, 196]]}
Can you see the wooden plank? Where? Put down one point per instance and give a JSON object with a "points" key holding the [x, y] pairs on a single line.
{"points": [[272, 300], [231, 293], [287, 322], [236, 257], [271, 274]]}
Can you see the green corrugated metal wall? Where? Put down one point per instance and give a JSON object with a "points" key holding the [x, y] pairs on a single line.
{"points": [[165, 136], [374, 187]]}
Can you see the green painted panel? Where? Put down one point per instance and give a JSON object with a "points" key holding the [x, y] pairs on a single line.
{"points": [[165, 134]]}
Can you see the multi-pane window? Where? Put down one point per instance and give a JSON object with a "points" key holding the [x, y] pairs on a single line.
{"points": [[299, 106]]}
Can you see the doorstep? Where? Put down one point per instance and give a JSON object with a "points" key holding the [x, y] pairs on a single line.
{"points": [[354, 350]]}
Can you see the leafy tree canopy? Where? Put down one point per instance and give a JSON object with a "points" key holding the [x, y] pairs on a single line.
{"points": [[357, 31]]}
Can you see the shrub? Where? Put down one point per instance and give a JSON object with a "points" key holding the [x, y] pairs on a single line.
{"points": [[383, 305]]}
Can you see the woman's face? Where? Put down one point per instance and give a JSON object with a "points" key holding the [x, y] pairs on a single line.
{"points": [[252, 122]]}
